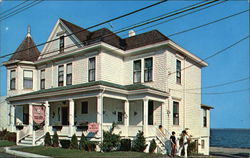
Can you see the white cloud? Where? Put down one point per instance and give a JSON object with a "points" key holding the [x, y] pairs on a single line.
{"points": [[6, 28]]}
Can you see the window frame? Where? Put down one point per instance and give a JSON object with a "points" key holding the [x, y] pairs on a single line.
{"points": [[176, 115], [69, 74], [178, 71], [205, 118], [137, 71], [149, 70], [120, 116], [12, 80], [86, 111], [60, 83], [27, 78], [92, 70], [42, 80], [61, 44]]}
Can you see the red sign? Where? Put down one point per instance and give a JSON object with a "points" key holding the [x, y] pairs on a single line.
{"points": [[38, 114], [93, 127]]}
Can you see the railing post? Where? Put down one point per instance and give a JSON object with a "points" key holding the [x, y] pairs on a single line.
{"points": [[17, 137], [33, 137]]}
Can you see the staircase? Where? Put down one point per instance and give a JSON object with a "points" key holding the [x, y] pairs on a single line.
{"points": [[162, 141], [28, 140]]}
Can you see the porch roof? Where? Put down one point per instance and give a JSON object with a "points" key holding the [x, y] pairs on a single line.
{"points": [[130, 87], [206, 107]]}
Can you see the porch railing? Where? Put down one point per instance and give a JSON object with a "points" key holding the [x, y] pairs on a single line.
{"points": [[20, 134]]}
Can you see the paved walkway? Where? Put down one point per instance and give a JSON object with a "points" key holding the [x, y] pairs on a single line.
{"points": [[4, 155], [230, 152]]}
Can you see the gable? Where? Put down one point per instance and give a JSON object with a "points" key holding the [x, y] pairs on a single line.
{"points": [[71, 42]]}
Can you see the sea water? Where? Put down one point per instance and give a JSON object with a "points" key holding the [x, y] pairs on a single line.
{"points": [[230, 138]]}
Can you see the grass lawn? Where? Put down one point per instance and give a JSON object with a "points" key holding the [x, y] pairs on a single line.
{"points": [[60, 152], [4, 143]]}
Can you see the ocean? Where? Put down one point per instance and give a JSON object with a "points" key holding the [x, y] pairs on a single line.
{"points": [[230, 138]]}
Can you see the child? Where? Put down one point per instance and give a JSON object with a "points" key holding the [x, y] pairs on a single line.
{"points": [[173, 143]]}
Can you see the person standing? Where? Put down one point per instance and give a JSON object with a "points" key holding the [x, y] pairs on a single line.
{"points": [[184, 143], [173, 144]]}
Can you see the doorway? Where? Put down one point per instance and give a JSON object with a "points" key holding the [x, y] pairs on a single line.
{"points": [[150, 112], [65, 115]]}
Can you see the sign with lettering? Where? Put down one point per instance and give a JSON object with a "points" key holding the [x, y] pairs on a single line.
{"points": [[38, 114], [93, 127]]}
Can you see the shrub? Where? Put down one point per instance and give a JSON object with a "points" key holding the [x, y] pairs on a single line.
{"points": [[74, 142], [139, 144], [47, 140], [125, 145], [10, 136], [152, 146], [110, 140], [90, 146], [65, 143], [83, 143], [3, 133], [55, 140], [191, 148]]}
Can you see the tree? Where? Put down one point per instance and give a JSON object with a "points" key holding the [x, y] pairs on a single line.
{"points": [[139, 143], [47, 140], [83, 143], [55, 140], [74, 142], [152, 146]]}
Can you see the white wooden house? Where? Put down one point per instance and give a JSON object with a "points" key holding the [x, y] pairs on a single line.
{"points": [[138, 82]]}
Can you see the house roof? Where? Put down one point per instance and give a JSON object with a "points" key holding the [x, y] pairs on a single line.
{"points": [[89, 84], [109, 37], [206, 107], [23, 52]]}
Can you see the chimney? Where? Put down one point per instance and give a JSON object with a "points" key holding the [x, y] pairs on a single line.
{"points": [[131, 33]]}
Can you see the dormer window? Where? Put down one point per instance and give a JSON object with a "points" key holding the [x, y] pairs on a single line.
{"points": [[61, 44], [27, 79], [13, 79]]}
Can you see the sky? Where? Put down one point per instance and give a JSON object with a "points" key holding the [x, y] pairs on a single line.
{"points": [[230, 110]]}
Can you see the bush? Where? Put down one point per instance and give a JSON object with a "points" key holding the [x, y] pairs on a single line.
{"points": [[47, 140], [192, 148], [74, 142], [83, 143], [65, 143], [139, 144], [110, 140], [152, 146], [125, 145], [10, 136], [3, 133], [55, 140], [91, 146]]}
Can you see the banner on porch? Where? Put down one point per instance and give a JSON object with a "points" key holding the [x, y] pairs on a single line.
{"points": [[93, 127], [38, 114]]}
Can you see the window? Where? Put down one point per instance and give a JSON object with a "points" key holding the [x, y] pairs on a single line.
{"points": [[204, 118], [137, 71], [84, 107], [60, 75], [61, 44], [120, 116], [91, 69], [178, 71], [176, 113], [69, 74], [148, 67], [27, 79], [202, 144], [42, 79], [13, 79]]}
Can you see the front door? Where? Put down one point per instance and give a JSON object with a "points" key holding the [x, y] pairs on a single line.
{"points": [[150, 112], [65, 115]]}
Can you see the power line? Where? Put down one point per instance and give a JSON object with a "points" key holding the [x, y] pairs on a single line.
{"points": [[12, 8], [20, 10], [217, 85], [215, 21], [116, 19]]}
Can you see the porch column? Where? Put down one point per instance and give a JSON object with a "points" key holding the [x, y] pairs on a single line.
{"points": [[99, 117], [145, 116], [12, 118], [126, 118], [30, 119], [71, 116], [46, 116]]}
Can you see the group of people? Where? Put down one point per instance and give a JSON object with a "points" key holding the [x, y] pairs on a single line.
{"points": [[183, 144]]}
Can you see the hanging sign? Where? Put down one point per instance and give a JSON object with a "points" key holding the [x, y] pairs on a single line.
{"points": [[38, 114], [93, 127]]}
